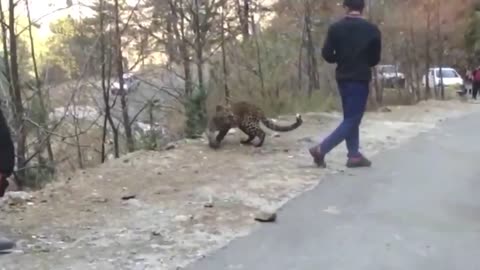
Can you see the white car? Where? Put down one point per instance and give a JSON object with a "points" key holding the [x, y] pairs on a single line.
{"points": [[390, 76], [130, 83], [449, 76]]}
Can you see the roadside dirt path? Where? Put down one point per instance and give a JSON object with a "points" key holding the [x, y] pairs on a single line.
{"points": [[190, 200]]}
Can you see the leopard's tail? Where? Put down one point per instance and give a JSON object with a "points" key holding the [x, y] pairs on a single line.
{"points": [[269, 123]]}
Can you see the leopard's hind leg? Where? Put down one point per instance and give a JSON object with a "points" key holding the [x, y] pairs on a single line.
{"points": [[255, 130], [251, 136], [261, 135]]}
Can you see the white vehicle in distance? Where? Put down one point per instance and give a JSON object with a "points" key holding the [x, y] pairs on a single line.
{"points": [[391, 76], [130, 83], [449, 76]]}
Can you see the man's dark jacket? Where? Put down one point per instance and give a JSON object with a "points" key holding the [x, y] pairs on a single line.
{"points": [[7, 151], [355, 45]]}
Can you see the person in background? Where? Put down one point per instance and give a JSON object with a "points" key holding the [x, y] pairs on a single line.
{"points": [[7, 164], [354, 44], [475, 82]]}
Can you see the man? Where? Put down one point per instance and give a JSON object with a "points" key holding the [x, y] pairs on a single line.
{"points": [[355, 46], [7, 163], [475, 82]]}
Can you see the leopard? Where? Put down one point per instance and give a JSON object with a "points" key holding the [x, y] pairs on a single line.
{"points": [[246, 117]]}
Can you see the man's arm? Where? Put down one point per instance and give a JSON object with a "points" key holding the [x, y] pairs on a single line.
{"points": [[7, 151], [375, 50], [328, 50]]}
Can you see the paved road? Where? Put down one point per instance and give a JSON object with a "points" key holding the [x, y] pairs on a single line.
{"points": [[418, 208]]}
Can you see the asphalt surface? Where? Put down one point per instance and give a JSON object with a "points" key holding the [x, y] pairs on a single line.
{"points": [[417, 208]]}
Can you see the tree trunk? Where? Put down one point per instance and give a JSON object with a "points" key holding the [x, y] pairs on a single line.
{"points": [[21, 132], [440, 51], [243, 13], [44, 139], [246, 16], [259, 62], [312, 67], [105, 76], [428, 92], [224, 61], [123, 95], [198, 45]]}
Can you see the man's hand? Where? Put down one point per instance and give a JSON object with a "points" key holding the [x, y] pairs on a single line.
{"points": [[328, 50], [3, 184]]}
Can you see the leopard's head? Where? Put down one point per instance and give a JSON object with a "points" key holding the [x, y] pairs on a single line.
{"points": [[224, 117], [221, 120]]}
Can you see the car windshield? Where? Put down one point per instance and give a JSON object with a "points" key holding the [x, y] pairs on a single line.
{"points": [[447, 73], [389, 69]]}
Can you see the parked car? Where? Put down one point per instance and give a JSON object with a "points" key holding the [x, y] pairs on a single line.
{"points": [[390, 76], [448, 75], [130, 83]]}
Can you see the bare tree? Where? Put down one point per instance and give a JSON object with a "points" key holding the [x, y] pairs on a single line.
{"points": [[19, 111], [120, 72], [428, 22], [224, 57], [312, 66], [243, 13], [440, 49], [106, 71], [43, 138], [198, 23]]}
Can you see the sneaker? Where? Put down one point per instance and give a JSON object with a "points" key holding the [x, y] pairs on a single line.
{"points": [[6, 244], [358, 162], [318, 157]]}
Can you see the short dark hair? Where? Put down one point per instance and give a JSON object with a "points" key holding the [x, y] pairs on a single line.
{"points": [[356, 5]]}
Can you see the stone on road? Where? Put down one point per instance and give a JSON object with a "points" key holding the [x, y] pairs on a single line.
{"points": [[417, 208]]}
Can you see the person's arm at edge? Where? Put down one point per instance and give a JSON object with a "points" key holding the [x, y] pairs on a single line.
{"points": [[328, 50], [375, 49]]}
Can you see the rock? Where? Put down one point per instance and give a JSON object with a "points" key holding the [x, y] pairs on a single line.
{"points": [[99, 200], [155, 246], [133, 203], [183, 218], [128, 197], [307, 140], [40, 248], [385, 110], [170, 146], [126, 160], [156, 233], [264, 216], [18, 197], [209, 204], [275, 135], [332, 210]]}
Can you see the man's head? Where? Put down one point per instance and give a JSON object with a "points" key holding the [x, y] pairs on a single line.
{"points": [[354, 5]]}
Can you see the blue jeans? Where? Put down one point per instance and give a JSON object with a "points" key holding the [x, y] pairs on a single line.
{"points": [[354, 97]]}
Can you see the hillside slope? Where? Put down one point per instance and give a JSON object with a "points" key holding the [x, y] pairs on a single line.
{"points": [[189, 200]]}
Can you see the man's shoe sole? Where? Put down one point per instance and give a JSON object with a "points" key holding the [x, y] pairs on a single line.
{"points": [[318, 161], [6, 245]]}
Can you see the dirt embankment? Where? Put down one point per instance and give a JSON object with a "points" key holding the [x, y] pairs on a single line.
{"points": [[190, 200]]}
